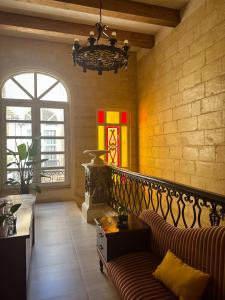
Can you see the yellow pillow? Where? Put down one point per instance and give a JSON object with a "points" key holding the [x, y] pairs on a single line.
{"points": [[184, 281]]}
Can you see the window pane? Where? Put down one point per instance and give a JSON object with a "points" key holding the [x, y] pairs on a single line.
{"points": [[52, 145], [18, 113], [18, 129], [52, 114], [58, 93], [52, 129], [13, 91], [44, 82], [11, 143], [27, 81], [13, 174], [55, 175], [54, 160], [10, 158]]}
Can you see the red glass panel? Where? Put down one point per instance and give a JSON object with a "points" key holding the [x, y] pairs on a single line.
{"points": [[124, 117], [101, 117]]}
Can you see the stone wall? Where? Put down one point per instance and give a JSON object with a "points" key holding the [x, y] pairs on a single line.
{"points": [[88, 93], [181, 96]]}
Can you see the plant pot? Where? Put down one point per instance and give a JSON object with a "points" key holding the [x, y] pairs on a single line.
{"points": [[24, 189], [11, 222], [4, 229]]}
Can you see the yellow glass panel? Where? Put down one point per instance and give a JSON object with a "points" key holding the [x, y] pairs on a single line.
{"points": [[124, 147], [112, 117], [101, 137], [112, 146]]}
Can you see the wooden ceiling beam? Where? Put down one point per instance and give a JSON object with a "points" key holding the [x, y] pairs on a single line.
{"points": [[48, 25], [129, 10]]}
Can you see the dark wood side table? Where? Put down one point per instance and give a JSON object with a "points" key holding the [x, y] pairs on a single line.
{"points": [[15, 251], [113, 241]]}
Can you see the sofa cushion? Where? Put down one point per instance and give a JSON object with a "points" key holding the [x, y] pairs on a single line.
{"points": [[184, 281], [132, 276]]}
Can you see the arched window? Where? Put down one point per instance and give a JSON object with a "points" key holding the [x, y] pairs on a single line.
{"points": [[36, 105]]}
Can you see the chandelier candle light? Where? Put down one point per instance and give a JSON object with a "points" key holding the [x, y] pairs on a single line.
{"points": [[100, 57]]}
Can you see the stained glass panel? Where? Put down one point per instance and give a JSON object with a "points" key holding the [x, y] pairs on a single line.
{"points": [[113, 137], [101, 138], [112, 117], [124, 117], [124, 147], [101, 117], [113, 157]]}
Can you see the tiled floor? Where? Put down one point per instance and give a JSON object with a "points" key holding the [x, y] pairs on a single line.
{"points": [[64, 261]]}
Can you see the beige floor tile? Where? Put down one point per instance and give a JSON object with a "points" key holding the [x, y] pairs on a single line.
{"points": [[65, 263]]}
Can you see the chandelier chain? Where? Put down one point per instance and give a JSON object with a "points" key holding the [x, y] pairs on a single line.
{"points": [[100, 10]]}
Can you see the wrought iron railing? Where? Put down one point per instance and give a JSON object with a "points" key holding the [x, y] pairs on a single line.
{"points": [[178, 204]]}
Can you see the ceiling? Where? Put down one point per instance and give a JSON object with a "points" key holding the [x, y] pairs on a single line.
{"points": [[51, 19]]}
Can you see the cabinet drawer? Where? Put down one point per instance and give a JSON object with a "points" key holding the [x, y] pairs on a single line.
{"points": [[101, 242]]}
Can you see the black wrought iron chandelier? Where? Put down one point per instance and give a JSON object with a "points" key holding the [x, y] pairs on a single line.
{"points": [[100, 57]]}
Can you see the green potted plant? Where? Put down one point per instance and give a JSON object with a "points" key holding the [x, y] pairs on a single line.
{"points": [[24, 161]]}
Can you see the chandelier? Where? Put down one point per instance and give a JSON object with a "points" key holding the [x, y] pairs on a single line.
{"points": [[100, 57]]}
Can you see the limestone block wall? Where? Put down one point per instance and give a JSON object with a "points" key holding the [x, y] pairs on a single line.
{"points": [[181, 96], [87, 92]]}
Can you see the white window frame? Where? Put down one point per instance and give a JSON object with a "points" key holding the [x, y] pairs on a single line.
{"points": [[35, 105]]}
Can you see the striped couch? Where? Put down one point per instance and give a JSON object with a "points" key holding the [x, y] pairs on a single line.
{"points": [[202, 248]]}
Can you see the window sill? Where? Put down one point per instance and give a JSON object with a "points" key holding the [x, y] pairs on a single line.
{"points": [[55, 186]]}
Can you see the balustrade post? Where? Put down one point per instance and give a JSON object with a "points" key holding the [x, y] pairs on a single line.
{"points": [[214, 217], [97, 189]]}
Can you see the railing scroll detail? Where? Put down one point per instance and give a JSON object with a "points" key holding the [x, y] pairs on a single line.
{"points": [[181, 205]]}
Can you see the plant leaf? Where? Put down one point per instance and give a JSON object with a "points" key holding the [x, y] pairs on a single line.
{"points": [[2, 204], [32, 150], [15, 207], [11, 152], [2, 219], [22, 150]]}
